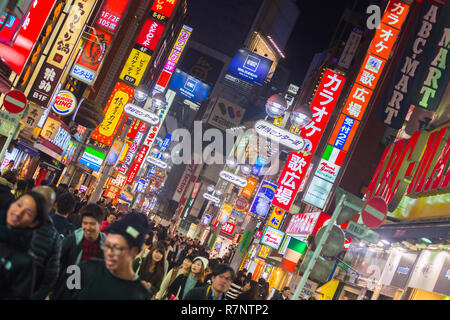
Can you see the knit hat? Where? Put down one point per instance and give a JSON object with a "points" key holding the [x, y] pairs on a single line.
{"points": [[133, 226], [203, 260]]}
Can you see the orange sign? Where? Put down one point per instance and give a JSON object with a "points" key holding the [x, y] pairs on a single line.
{"points": [[344, 132], [370, 71], [248, 190], [395, 14], [357, 101], [383, 41]]}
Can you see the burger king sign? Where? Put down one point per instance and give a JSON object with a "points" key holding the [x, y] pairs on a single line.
{"points": [[65, 103]]}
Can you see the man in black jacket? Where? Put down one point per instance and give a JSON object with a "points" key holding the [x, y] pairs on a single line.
{"points": [[222, 277], [7, 181]]}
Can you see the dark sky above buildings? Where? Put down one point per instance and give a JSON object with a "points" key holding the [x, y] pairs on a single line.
{"points": [[312, 33]]}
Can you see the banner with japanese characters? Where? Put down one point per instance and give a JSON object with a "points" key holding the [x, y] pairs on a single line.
{"points": [[297, 164], [121, 95], [50, 73]]}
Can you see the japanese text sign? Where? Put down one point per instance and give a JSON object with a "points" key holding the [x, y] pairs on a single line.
{"points": [[297, 164], [357, 101], [150, 34], [121, 95], [344, 132], [248, 190], [276, 218], [228, 228], [164, 7], [135, 67], [111, 13]]}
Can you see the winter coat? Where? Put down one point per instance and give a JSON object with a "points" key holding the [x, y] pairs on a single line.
{"points": [[71, 254], [6, 196], [17, 268], [177, 287], [201, 293], [169, 278], [46, 248]]}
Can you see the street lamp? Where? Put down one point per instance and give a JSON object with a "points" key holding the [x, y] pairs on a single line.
{"points": [[276, 106], [158, 101], [301, 116]]}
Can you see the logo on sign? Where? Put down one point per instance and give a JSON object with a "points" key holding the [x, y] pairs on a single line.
{"points": [[65, 103], [190, 85], [252, 63]]}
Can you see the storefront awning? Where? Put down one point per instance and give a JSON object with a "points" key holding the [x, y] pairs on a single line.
{"points": [[433, 230]]}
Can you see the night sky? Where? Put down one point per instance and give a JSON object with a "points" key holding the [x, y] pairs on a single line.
{"points": [[312, 33]]}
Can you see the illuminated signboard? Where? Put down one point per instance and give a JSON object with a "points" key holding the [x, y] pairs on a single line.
{"points": [[272, 237], [164, 7], [276, 218], [250, 67], [263, 199], [248, 190], [121, 95], [111, 13], [150, 34], [360, 94], [173, 58], [228, 228], [297, 163], [189, 87], [17, 54], [92, 158]]}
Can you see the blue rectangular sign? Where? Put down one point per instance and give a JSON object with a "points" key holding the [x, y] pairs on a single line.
{"points": [[344, 132], [250, 67], [263, 199], [189, 87]]}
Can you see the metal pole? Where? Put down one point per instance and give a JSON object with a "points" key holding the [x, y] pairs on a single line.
{"points": [[8, 141], [316, 254]]}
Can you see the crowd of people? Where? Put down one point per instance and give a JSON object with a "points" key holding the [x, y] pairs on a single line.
{"points": [[55, 244]]}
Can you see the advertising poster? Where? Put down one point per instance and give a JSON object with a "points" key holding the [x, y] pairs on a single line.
{"points": [[250, 67], [272, 237], [226, 114], [263, 199], [92, 158], [189, 87]]}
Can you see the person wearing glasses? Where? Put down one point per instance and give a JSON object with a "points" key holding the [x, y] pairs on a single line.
{"points": [[113, 278], [222, 277], [85, 243]]}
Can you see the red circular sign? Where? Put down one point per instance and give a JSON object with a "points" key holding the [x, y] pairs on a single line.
{"points": [[241, 204], [374, 212], [15, 101]]}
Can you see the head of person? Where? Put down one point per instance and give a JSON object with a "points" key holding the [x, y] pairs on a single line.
{"points": [[49, 195], [187, 263], [198, 268], [286, 292], [21, 185], [124, 240], [222, 277], [11, 164], [252, 288], [10, 176], [28, 211], [157, 252], [30, 184], [91, 221], [240, 277], [44, 183], [65, 204], [111, 217], [154, 261]]}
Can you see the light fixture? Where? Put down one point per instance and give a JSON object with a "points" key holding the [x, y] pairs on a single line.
{"points": [[231, 163], [426, 240], [302, 115], [386, 242], [166, 155], [245, 169], [210, 188], [140, 95], [158, 101], [276, 106], [218, 192]]}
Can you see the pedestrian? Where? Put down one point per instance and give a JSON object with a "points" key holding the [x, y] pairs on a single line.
{"points": [[85, 243], [17, 223], [248, 277], [284, 295], [65, 205], [249, 291], [151, 267], [7, 182], [183, 284], [46, 248], [184, 268], [109, 220], [236, 286], [20, 188], [113, 278], [222, 277], [263, 289], [8, 167]]}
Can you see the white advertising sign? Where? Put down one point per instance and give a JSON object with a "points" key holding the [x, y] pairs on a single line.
{"points": [[141, 114], [327, 170], [272, 237], [179, 191], [234, 179], [157, 162], [280, 135], [209, 197], [317, 193]]}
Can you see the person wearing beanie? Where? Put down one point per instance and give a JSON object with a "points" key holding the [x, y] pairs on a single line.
{"points": [[184, 283], [113, 278]]}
